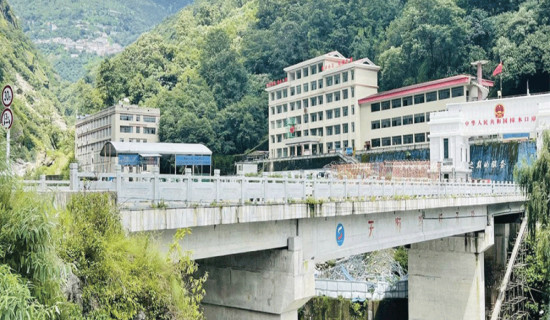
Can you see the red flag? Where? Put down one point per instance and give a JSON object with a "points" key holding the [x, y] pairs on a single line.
{"points": [[498, 69]]}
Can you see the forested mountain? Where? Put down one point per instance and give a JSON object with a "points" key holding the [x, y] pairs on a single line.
{"points": [[74, 33], [207, 66], [39, 135]]}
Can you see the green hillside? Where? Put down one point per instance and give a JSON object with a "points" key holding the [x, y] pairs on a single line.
{"points": [[207, 66], [39, 135], [62, 28]]}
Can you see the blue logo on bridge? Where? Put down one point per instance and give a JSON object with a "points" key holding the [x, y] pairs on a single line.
{"points": [[340, 234]]}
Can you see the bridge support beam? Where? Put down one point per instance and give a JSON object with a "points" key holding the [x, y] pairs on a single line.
{"points": [[263, 285], [446, 277]]}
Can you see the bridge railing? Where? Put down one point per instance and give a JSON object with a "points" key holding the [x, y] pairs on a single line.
{"points": [[265, 189], [215, 189]]}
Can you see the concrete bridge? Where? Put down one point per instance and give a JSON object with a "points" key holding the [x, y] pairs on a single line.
{"points": [[259, 238]]}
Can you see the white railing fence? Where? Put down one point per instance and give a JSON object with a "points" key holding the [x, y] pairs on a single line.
{"points": [[361, 290], [265, 189]]}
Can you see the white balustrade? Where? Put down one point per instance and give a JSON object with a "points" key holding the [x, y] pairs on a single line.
{"points": [[188, 188]]}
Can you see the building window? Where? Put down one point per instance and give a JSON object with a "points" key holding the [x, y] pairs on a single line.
{"points": [[329, 131], [306, 89], [408, 139], [313, 85], [272, 96], [299, 104], [329, 114], [320, 132], [419, 118], [305, 71], [345, 128], [457, 91], [337, 113], [385, 105], [407, 120], [292, 106], [279, 94], [375, 107], [419, 137], [337, 129], [396, 122], [298, 89], [292, 91], [137, 129], [352, 75], [305, 102], [272, 110], [337, 79], [446, 148], [299, 74], [375, 125], [121, 139], [396, 140], [137, 118], [431, 96], [313, 70], [272, 139], [329, 97], [386, 141], [320, 67], [149, 130], [407, 101], [285, 93], [386, 123], [313, 117], [320, 115], [375, 143], [313, 101], [320, 83], [345, 76], [419, 98], [320, 99], [285, 107], [344, 111], [396, 103], [427, 116], [337, 96], [353, 127], [352, 110], [149, 119], [337, 145], [345, 94], [444, 94], [329, 146], [126, 129], [126, 117], [329, 81], [353, 92]]}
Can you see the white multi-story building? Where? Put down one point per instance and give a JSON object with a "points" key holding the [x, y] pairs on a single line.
{"points": [[398, 118], [315, 109], [122, 123], [330, 103]]}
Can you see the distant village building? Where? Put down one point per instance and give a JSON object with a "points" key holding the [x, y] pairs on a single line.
{"points": [[331, 103], [120, 123]]}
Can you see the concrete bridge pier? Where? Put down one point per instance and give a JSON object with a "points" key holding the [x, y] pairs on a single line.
{"points": [[446, 277], [261, 285]]}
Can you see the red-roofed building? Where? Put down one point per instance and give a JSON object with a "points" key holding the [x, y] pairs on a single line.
{"points": [[399, 117], [330, 104]]}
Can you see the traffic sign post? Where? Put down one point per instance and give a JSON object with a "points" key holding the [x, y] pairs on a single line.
{"points": [[6, 119]]}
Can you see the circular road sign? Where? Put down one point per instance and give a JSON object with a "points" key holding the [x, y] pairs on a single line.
{"points": [[340, 234], [6, 119], [7, 96]]}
